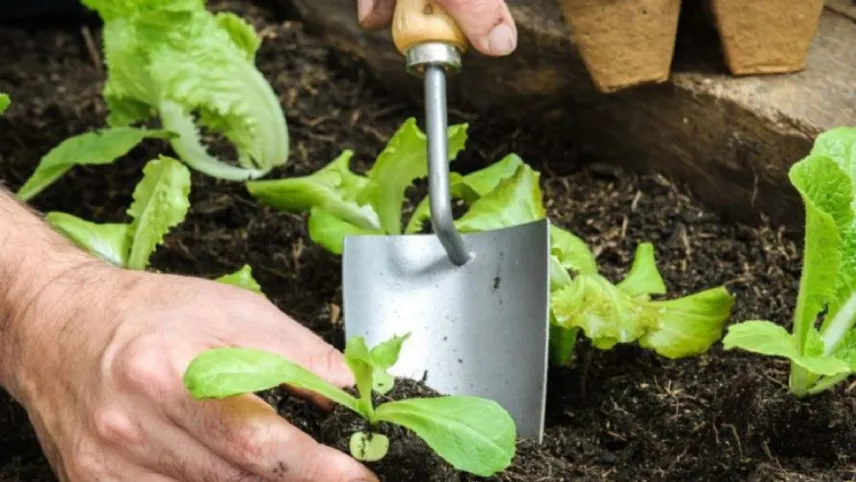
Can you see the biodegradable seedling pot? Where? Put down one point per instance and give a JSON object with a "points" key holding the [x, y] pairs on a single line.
{"points": [[765, 36], [624, 43]]}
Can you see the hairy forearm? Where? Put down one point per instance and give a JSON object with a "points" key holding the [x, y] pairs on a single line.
{"points": [[32, 258]]}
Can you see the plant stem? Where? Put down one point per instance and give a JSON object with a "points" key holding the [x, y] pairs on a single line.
{"points": [[837, 329], [826, 383], [803, 322]]}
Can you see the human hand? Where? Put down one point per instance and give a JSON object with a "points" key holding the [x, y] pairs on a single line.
{"points": [[487, 23], [103, 386]]}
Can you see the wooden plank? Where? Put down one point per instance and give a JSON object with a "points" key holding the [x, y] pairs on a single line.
{"points": [[731, 139]]}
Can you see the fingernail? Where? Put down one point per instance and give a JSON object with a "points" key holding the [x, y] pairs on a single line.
{"points": [[364, 8], [501, 40]]}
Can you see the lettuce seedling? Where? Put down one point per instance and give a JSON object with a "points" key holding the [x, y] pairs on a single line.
{"points": [[341, 203], [5, 101], [472, 434], [821, 357], [508, 193], [161, 202], [175, 60]]}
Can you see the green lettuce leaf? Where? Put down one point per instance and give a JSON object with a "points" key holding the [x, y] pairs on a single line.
{"points": [[192, 69], [359, 360], [227, 372], [838, 145], [472, 434], [243, 278], [644, 278], [368, 446], [516, 200], [110, 242], [403, 160], [342, 203], [468, 188], [827, 193], [846, 350], [161, 202], [768, 338], [384, 356], [332, 189], [242, 33], [690, 325], [330, 232], [562, 343], [5, 101], [91, 148], [607, 315], [570, 252]]}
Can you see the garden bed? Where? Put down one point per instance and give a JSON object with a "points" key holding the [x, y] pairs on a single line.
{"points": [[624, 414]]}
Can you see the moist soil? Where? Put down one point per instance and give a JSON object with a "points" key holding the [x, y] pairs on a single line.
{"points": [[624, 414]]}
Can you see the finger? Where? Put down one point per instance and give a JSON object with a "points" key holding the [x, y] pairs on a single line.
{"points": [[245, 432], [488, 24], [375, 13], [164, 451], [155, 478], [185, 459], [275, 332]]}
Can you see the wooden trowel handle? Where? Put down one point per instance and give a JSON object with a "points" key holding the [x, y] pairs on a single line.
{"points": [[419, 21]]}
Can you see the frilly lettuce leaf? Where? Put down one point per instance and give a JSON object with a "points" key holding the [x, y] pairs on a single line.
{"points": [[571, 254], [403, 160], [644, 277], [515, 200], [330, 196], [608, 315], [179, 62], [108, 241], [468, 188], [342, 203], [243, 278], [161, 202]]}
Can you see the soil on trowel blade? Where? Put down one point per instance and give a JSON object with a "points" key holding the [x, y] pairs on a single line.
{"points": [[622, 415]]}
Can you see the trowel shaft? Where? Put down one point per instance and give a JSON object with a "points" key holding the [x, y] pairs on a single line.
{"points": [[436, 127]]}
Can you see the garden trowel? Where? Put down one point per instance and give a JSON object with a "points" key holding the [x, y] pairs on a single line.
{"points": [[475, 304]]}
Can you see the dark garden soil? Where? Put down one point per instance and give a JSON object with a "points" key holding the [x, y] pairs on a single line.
{"points": [[624, 415]]}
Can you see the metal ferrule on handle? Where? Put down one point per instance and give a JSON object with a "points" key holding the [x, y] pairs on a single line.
{"points": [[433, 60]]}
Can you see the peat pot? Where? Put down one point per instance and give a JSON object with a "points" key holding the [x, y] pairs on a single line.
{"points": [[765, 36], [624, 43]]}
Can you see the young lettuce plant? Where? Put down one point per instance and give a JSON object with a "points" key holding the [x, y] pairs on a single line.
{"points": [[508, 193], [191, 68], [161, 202], [99, 147], [472, 434], [342, 203], [821, 357]]}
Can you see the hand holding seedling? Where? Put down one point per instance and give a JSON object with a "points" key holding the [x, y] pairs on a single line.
{"points": [[96, 355], [487, 24]]}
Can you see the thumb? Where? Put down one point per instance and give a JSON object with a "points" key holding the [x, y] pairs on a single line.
{"points": [[487, 24]]}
